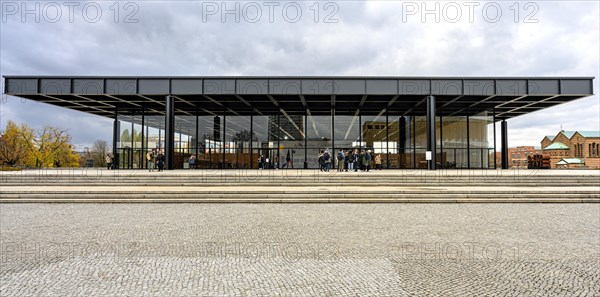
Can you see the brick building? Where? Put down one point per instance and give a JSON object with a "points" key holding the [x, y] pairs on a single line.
{"points": [[517, 156], [573, 149]]}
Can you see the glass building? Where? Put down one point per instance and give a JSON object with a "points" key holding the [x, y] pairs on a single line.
{"points": [[229, 122]]}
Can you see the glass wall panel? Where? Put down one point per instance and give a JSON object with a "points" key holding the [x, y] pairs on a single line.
{"points": [[291, 140], [124, 153], [400, 142], [237, 141], [155, 134], [318, 137], [266, 132], [374, 135], [454, 142], [478, 140], [420, 134], [347, 130], [346, 134], [210, 141], [138, 157], [185, 147]]}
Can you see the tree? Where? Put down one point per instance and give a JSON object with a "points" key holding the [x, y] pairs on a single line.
{"points": [[13, 150], [47, 147], [99, 151]]}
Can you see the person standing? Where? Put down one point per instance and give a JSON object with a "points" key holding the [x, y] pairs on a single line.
{"points": [[350, 160], [327, 160], [360, 160], [160, 161], [340, 160], [192, 162], [378, 162], [367, 159], [288, 161], [150, 157], [321, 161], [109, 161]]}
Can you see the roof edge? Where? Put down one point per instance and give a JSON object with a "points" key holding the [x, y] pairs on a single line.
{"points": [[299, 76]]}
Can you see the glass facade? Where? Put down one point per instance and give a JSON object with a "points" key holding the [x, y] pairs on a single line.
{"points": [[285, 140]]}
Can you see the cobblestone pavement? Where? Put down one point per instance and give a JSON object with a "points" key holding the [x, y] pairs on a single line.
{"points": [[300, 249]]}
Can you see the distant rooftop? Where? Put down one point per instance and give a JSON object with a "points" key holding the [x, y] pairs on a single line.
{"points": [[589, 134], [569, 134], [557, 146], [566, 161]]}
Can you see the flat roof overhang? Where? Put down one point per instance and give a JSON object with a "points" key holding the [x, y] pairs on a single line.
{"points": [[267, 95]]}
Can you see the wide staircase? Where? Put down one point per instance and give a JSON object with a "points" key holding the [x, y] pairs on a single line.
{"points": [[300, 186]]}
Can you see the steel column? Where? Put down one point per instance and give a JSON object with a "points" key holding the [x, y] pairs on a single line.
{"points": [[276, 160], [402, 142], [413, 131], [504, 143], [169, 132], [132, 141], [115, 140], [495, 150], [306, 139], [196, 138], [143, 152], [431, 132], [333, 130], [468, 144], [387, 140], [252, 140], [224, 139]]}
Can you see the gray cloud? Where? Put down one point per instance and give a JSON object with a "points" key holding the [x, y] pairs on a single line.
{"points": [[369, 38]]}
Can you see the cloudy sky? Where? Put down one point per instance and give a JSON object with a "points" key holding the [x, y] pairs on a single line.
{"points": [[544, 38]]}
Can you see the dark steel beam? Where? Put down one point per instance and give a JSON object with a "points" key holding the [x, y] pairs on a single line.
{"points": [[473, 105], [452, 101], [530, 104], [414, 107], [77, 103]]}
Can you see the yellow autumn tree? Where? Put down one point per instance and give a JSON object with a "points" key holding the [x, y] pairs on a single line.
{"points": [[13, 149], [47, 147]]}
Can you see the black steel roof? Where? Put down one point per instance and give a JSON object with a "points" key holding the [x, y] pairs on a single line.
{"points": [[241, 95]]}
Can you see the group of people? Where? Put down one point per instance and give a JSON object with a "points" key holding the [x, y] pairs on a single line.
{"points": [[350, 160], [156, 160]]}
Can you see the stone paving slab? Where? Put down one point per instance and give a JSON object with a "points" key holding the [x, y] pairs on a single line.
{"points": [[299, 250]]}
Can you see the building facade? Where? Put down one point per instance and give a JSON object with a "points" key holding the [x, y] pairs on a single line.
{"points": [[518, 155], [573, 149], [228, 122]]}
